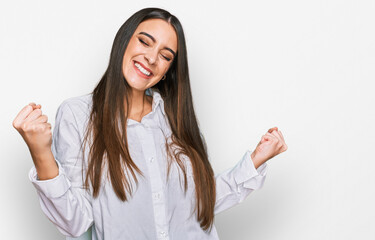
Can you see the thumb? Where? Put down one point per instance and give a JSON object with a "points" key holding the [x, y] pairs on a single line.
{"points": [[265, 138]]}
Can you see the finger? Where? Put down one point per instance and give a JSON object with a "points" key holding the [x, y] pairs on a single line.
{"points": [[272, 137], [41, 119], [23, 114], [267, 137], [272, 129], [282, 136], [285, 146], [33, 115], [283, 140], [35, 106], [48, 125], [42, 126], [262, 140], [277, 135]]}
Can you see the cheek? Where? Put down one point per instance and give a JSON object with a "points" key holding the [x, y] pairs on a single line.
{"points": [[131, 50], [165, 68]]}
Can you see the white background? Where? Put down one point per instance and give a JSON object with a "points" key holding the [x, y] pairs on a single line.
{"points": [[306, 67]]}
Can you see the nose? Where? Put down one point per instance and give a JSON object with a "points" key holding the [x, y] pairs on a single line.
{"points": [[151, 56]]}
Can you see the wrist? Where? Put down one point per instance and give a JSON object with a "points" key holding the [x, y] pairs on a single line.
{"points": [[256, 161], [41, 155], [46, 165]]}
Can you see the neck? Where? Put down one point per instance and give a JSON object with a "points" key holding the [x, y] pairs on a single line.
{"points": [[139, 103]]}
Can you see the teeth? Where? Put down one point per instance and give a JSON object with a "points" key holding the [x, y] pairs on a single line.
{"points": [[144, 71]]}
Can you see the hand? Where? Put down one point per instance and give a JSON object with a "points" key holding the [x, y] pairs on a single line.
{"points": [[271, 144], [34, 129]]}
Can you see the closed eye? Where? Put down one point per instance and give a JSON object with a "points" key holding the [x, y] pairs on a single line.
{"points": [[142, 41], [168, 59]]}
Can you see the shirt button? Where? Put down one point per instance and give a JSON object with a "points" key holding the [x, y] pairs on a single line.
{"points": [[151, 159], [163, 234], [157, 195]]}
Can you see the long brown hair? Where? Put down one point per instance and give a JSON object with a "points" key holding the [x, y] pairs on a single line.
{"points": [[109, 144]]}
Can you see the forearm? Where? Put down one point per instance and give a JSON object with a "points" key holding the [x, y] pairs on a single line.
{"points": [[45, 165], [235, 184]]}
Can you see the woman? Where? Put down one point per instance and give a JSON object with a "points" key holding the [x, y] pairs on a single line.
{"points": [[151, 179]]}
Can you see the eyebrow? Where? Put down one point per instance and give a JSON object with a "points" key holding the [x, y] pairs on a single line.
{"points": [[153, 39]]}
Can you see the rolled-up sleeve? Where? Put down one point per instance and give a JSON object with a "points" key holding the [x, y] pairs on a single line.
{"points": [[63, 199], [235, 184], [51, 188]]}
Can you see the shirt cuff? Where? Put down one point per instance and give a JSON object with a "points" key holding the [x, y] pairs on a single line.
{"points": [[247, 175], [51, 188]]}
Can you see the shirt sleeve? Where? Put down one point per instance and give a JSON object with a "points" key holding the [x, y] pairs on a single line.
{"points": [[235, 184], [63, 199]]}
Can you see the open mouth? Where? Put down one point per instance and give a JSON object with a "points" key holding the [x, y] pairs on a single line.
{"points": [[141, 70]]}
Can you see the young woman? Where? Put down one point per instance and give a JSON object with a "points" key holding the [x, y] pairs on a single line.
{"points": [[129, 158]]}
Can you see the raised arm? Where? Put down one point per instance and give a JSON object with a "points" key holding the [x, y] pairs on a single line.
{"points": [[56, 173], [235, 184]]}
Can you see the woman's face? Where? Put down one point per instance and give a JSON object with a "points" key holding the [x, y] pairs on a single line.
{"points": [[150, 53]]}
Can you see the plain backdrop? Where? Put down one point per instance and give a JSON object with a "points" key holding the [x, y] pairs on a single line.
{"points": [[306, 67]]}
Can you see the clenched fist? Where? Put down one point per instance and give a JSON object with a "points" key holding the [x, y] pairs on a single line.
{"points": [[271, 144], [34, 128]]}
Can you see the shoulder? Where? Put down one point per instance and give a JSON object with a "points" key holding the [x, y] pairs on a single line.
{"points": [[79, 106], [76, 111]]}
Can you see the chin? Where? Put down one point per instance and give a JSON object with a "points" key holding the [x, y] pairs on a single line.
{"points": [[138, 86]]}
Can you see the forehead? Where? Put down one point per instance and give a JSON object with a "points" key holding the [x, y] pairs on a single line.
{"points": [[162, 31]]}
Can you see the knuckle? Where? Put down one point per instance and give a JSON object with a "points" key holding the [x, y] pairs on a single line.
{"points": [[34, 128], [15, 124], [45, 128], [45, 118], [24, 126], [38, 111]]}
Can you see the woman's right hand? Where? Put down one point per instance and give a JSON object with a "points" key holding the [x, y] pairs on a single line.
{"points": [[35, 129]]}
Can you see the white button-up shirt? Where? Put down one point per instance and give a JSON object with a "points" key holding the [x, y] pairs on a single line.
{"points": [[158, 209]]}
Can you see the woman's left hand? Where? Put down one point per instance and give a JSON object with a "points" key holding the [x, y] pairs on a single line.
{"points": [[271, 144]]}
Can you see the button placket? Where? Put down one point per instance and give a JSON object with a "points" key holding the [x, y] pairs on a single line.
{"points": [[156, 184]]}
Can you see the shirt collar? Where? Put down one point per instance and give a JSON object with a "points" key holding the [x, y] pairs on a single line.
{"points": [[156, 100]]}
